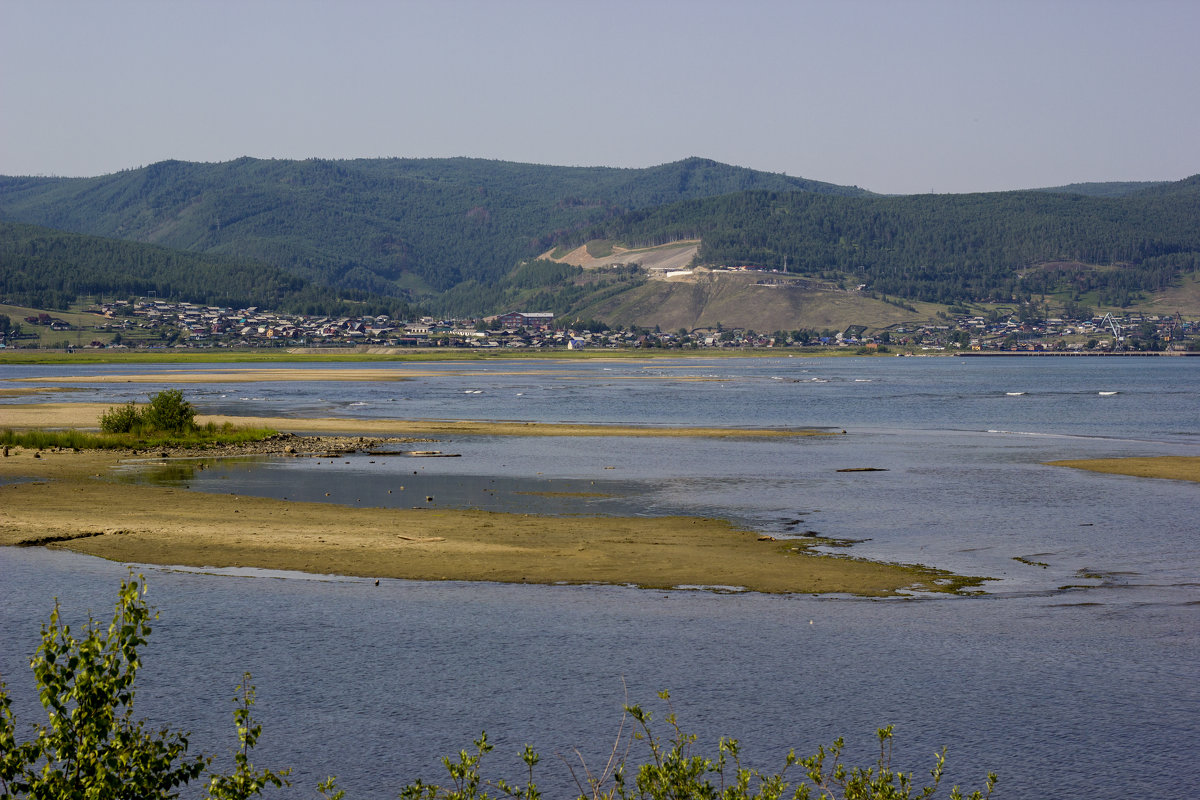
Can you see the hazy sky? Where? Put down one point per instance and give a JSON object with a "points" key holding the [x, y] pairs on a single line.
{"points": [[893, 96]]}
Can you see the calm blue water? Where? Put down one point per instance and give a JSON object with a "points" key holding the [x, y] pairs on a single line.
{"points": [[1156, 400], [1067, 692]]}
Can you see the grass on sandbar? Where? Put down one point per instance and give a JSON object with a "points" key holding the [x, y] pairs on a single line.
{"points": [[202, 436]]}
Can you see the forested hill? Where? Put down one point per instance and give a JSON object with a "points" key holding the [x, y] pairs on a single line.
{"points": [[44, 268], [943, 248], [405, 227], [1109, 189], [449, 233]]}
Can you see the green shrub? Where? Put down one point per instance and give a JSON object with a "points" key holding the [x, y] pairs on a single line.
{"points": [[121, 419], [170, 413], [167, 413]]}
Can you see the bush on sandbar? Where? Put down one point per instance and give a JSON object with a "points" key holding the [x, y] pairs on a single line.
{"points": [[168, 412]]}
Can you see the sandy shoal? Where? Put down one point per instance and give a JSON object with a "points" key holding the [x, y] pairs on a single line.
{"points": [[24, 391], [283, 374], [86, 416], [1179, 468], [260, 374], [68, 505]]}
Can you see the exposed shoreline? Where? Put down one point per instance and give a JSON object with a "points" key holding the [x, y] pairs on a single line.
{"points": [[372, 374], [144, 524], [63, 499], [55, 498], [85, 416], [402, 355], [69, 504]]}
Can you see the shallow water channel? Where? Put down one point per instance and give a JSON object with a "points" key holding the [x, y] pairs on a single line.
{"points": [[1073, 677]]}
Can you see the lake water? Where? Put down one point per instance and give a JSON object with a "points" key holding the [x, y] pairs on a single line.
{"points": [[1074, 676]]}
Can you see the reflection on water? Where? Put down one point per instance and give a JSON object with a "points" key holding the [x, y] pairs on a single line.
{"points": [[350, 480], [1089, 641], [374, 684], [975, 503], [1155, 395], [176, 472]]}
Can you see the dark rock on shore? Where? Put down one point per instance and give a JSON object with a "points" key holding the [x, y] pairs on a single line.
{"points": [[289, 444]]}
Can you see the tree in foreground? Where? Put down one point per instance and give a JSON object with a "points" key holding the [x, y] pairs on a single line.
{"points": [[91, 746], [245, 780]]}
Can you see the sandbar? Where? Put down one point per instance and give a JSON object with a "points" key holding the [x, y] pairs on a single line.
{"points": [[63, 500], [248, 375], [185, 375], [1179, 468], [23, 391], [86, 415]]}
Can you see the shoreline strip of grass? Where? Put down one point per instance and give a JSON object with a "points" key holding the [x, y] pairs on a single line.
{"points": [[73, 439]]}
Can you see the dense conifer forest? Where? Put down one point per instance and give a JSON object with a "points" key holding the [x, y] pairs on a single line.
{"points": [[452, 234], [46, 268], [392, 226], [944, 248]]}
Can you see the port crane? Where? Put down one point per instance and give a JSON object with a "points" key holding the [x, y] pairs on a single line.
{"points": [[1115, 327]]}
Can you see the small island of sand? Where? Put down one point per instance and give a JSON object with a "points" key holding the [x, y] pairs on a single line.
{"points": [[66, 499], [1179, 468], [69, 503]]}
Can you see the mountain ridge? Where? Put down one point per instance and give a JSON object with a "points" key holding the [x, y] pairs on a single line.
{"points": [[410, 227], [451, 234]]}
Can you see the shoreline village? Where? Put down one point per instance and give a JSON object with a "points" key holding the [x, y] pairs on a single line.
{"points": [[160, 326]]}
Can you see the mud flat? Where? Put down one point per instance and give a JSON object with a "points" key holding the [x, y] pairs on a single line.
{"points": [[1179, 468], [364, 374], [63, 500], [24, 391], [249, 375], [86, 415], [434, 427]]}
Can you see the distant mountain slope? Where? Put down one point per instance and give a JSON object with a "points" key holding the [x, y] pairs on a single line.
{"points": [[941, 248], [46, 268], [452, 234], [742, 301], [627, 188], [391, 226], [1187, 189], [1108, 189]]}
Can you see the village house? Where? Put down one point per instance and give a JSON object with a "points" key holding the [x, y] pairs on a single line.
{"points": [[519, 319]]}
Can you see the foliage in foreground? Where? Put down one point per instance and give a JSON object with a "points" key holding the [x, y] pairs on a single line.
{"points": [[675, 772], [92, 747]]}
